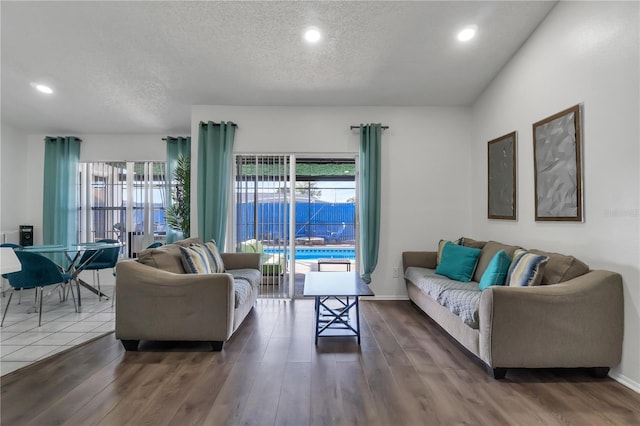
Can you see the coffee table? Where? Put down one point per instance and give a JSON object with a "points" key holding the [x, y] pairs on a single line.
{"points": [[343, 289]]}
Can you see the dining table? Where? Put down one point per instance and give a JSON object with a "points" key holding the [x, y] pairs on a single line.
{"points": [[73, 254]]}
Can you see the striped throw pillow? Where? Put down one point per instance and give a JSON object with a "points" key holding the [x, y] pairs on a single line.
{"points": [[195, 260], [215, 260], [526, 269]]}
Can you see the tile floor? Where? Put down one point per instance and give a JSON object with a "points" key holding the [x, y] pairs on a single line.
{"points": [[22, 342]]}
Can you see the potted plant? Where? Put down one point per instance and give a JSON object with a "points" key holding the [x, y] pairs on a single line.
{"points": [[179, 213]]}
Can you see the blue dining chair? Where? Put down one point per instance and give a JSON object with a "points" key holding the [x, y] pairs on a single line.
{"points": [[105, 260], [4, 277], [37, 272]]}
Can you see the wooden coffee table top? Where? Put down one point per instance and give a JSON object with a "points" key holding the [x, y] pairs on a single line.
{"points": [[318, 284]]}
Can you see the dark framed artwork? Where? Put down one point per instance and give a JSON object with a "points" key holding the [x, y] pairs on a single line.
{"points": [[557, 161], [502, 177]]}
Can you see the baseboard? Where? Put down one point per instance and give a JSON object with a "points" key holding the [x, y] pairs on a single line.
{"points": [[384, 298], [624, 380]]}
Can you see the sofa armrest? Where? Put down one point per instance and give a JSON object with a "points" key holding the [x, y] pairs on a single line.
{"points": [[578, 323], [241, 260], [153, 304], [422, 259]]}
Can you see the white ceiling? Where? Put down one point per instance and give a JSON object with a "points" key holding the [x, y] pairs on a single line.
{"points": [[137, 67]]}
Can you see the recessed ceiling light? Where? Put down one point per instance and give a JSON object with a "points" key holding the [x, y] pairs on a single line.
{"points": [[312, 35], [42, 88], [467, 33]]}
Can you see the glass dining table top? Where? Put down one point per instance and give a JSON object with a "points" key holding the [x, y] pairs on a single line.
{"points": [[76, 263], [61, 248]]}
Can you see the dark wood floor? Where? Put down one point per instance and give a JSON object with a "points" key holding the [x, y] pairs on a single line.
{"points": [[406, 372]]}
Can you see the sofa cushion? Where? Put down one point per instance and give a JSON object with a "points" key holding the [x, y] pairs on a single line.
{"points": [[488, 251], [561, 268], [496, 272], [168, 258], [242, 290], [441, 244], [213, 256], [470, 242], [187, 242], [460, 298], [526, 269], [458, 262], [195, 259], [253, 276]]}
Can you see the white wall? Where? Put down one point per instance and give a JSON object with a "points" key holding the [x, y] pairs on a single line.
{"points": [[15, 167], [584, 52], [425, 166], [93, 148]]}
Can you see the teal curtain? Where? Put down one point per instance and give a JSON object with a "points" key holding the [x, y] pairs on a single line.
{"points": [[370, 181], [175, 148], [215, 157], [60, 201]]}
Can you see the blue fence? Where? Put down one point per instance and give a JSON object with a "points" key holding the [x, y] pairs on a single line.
{"points": [[335, 222]]}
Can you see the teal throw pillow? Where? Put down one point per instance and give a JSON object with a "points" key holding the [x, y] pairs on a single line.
{"points": [[441, 244], [458, 262], [496, 271]]}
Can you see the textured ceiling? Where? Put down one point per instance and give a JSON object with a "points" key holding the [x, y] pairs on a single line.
{"points": [[137, 67]]}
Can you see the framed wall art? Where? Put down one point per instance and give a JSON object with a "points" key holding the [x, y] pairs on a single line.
{"points": [[557, 166], [502, 177]]}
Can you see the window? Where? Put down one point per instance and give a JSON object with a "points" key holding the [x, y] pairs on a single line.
{"points": [[124, 201]]}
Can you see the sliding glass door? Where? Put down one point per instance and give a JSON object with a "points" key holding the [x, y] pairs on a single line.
{"points": [[262, 217], [299, 213]]}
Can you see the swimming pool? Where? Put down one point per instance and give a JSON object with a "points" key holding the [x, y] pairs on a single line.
{"points": [[311, 253]]}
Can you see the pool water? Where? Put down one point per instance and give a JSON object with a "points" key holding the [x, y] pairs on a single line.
{"points": [[311, 253]]}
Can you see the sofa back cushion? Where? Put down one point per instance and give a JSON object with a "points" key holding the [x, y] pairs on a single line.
{"points": [[470, 242], [167, 257], [189, 241], [561, 268], [489, 250]]}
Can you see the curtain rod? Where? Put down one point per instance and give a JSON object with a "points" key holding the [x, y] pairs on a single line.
{"points": [[228, 122], [358, 127], [176, 137], [56, 137]]}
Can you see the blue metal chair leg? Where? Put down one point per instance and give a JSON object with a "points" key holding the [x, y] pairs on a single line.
{"points": [[98, 281], [73, 296], [41, 297], [7, 307]]}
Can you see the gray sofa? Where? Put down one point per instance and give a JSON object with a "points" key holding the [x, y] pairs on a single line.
{"points": [[573, 319], [157, 300]]}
